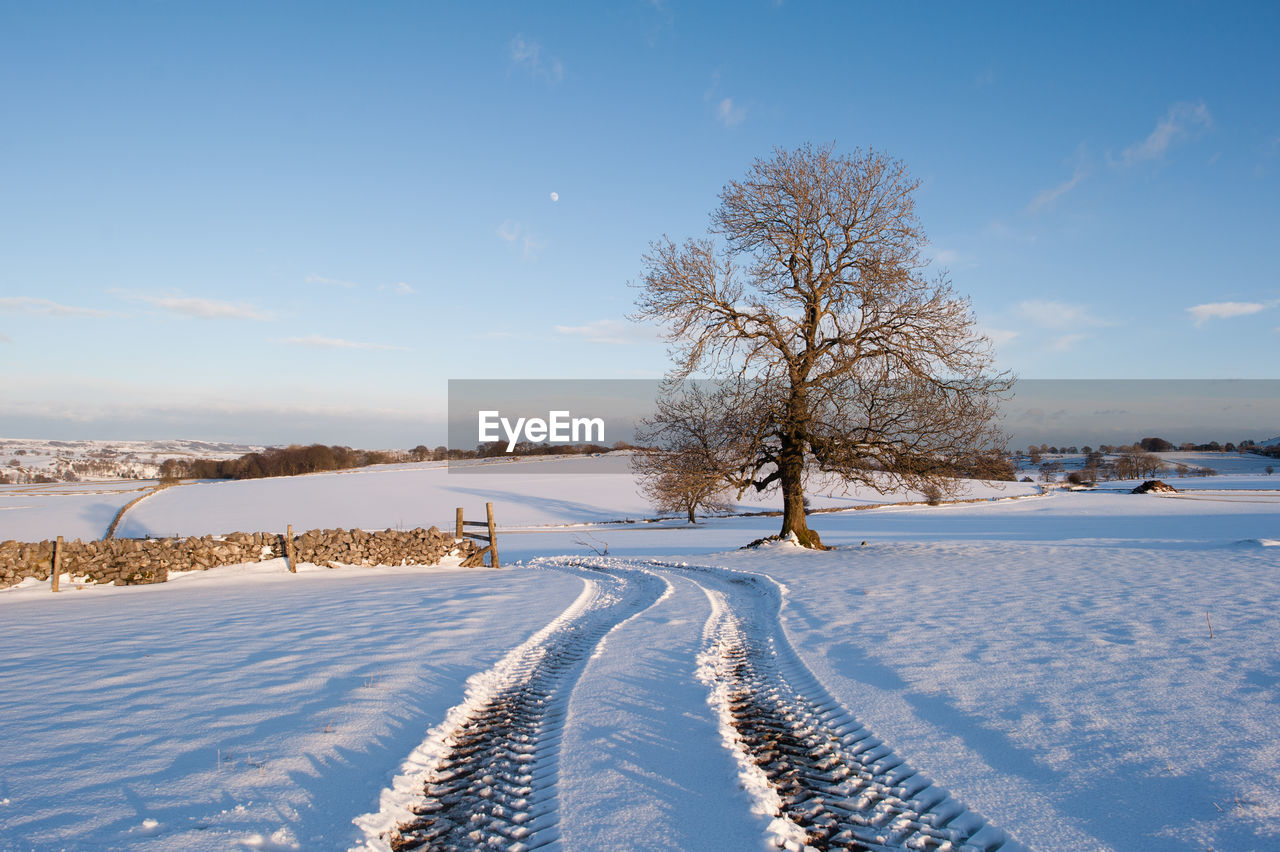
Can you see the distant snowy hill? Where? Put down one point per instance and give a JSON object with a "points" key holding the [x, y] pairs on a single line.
{"points": [[1271, 442], [24, 460]]}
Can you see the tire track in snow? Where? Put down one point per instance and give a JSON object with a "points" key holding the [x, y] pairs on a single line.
{"points": [[806, 760], [486, 776]]}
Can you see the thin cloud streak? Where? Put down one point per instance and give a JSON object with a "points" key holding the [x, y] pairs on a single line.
{"points": [[1047, 196], [198, 308], [1079, 172], [1183, 120], [1224, 310], [528, 55], [609, 331], [318, 342], [32, 305], [1047, 314], [319, 279]]}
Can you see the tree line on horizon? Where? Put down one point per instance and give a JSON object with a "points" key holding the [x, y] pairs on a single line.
{"points": [[1158, 445], [318, 458]]}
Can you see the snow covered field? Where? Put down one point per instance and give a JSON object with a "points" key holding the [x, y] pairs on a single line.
{"points": [[406, 496], [1074, 671], [70, 509]]}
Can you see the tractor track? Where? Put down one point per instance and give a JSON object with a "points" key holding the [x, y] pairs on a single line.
{"points": [[486, 777], [830, 783]]}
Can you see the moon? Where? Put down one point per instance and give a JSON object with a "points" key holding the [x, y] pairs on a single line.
{"points": [[555, 196]]}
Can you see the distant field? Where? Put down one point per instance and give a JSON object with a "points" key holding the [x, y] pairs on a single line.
{"points": [[407, 496]]}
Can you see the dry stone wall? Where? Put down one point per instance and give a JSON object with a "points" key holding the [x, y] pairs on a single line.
{"points": [[127, 562]]}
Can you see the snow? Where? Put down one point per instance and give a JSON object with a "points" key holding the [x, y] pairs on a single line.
{"points": [[1091, 670], [643, 758], [72, 510], [254, 708], [529, 493]]}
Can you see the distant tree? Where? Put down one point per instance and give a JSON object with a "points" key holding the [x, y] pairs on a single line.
{"points": [[420, 453], [676, 482], [1049, 471], [1155, 445], [686, 453], [1135, 463], [1270, 469]]}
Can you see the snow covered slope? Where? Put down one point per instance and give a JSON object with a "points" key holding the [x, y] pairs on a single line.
{"points": [[1077, 671]]}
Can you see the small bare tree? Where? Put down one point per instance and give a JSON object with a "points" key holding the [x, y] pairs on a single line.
{"points": [[681, 465], [837, 352]]}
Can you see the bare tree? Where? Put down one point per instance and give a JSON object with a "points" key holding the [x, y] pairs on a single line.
{"points": [[683, 458], [1134, 463], [839, 354]]}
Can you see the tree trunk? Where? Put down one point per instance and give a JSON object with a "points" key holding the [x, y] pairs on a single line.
{"points": [[791, 475], [692, 520]]}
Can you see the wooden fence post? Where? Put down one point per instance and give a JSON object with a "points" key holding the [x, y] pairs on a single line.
{"points": [[493, 535], [288, 550], [57, 563], [458, 533]]}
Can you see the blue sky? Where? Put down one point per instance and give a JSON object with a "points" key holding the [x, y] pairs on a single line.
{"points": [[294, 222]]}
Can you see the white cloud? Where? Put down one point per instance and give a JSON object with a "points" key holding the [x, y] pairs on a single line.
{"points": [[509, 230], [317, 342], [1224, 310], [730, 115], [531, 247], [1046, 314], [404, 289], [1079, 171], [609, 331], [1184, 119], [1066, 341], [555, 196], [32, 305], [1047, 196], [317, 279], [528, 55], [192, 306]]}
